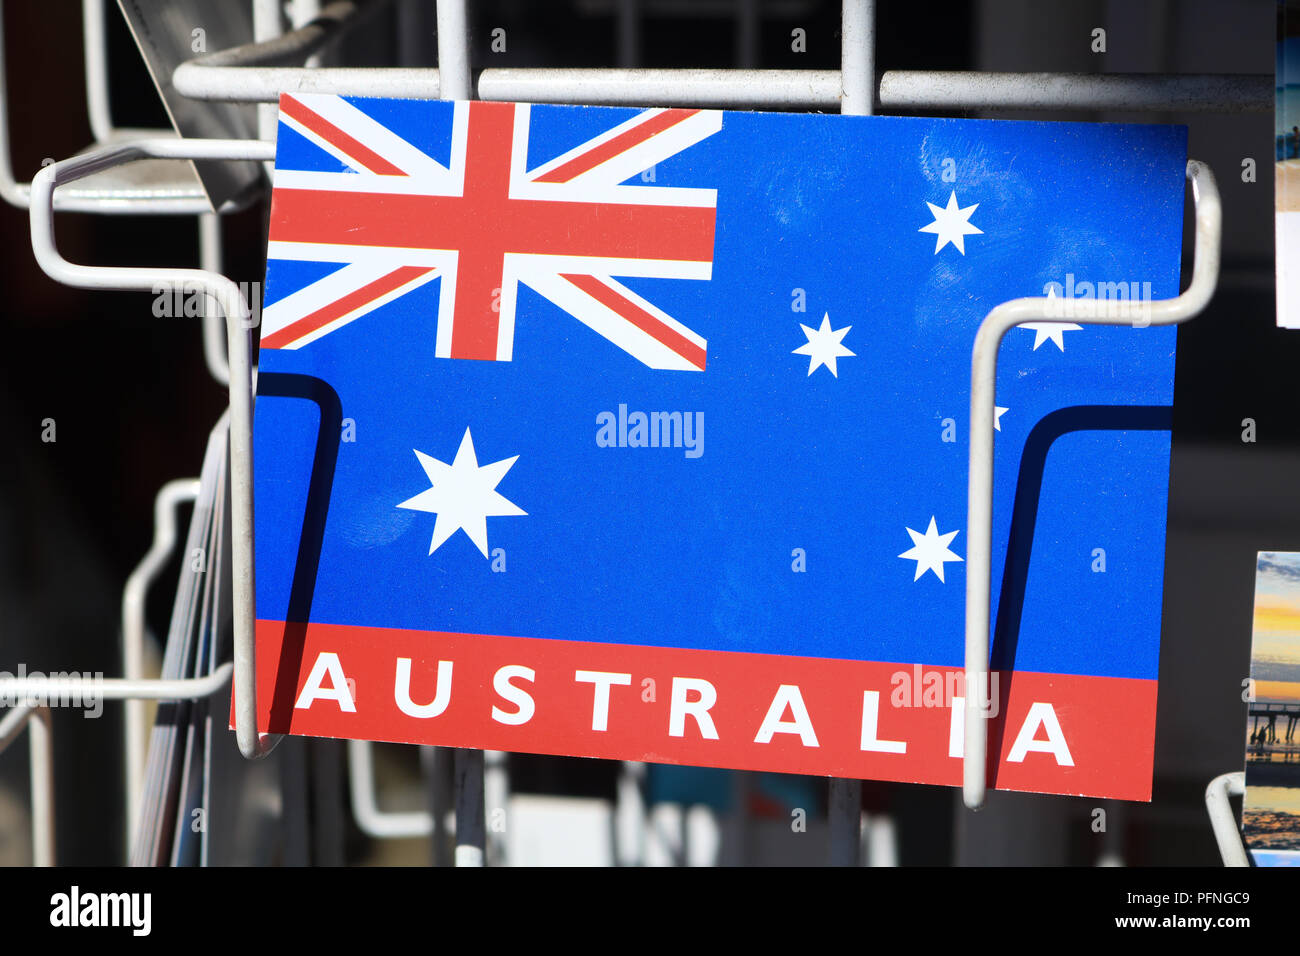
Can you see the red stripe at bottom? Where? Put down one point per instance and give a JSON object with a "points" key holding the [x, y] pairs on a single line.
{"points": [[1052, 733]]}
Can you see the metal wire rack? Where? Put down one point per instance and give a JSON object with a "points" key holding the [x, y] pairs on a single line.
{"points": [[150, 172]]}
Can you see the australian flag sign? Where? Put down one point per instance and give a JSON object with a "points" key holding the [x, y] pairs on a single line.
{"points": [[642, 434]]}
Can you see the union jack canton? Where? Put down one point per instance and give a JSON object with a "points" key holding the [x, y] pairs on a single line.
{"points": [[484, 223]]}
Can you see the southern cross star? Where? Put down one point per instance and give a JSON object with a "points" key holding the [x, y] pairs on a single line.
{"points": [[951, 224], [824, 345], [930, 550], [463, 495]]}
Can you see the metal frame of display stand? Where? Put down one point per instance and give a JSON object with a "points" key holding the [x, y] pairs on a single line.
{"points": [[979, 521], [260, 72], [1222, 821]]}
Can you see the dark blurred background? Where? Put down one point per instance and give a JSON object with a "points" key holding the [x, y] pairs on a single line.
{"points": [[133, 403]]}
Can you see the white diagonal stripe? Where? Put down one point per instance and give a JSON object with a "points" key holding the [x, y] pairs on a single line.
{"points": [[375, 135], [328, 290], [605, 321]]}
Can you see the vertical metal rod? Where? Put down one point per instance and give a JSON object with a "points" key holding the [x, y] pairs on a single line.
{"points": [[629, 815], [327, 831], [42, 768], [267, 25], [439, 767], [28, 715], [471, 838], [301, 13], [858, 56], [742, 789], [453, 51], [239, 348], [748, 23], [13, 721], [415, 29], [1222, 820], [845, 811], [881, 841], [629, 33], [296, 812], [979, 559], [1112, 841], [454, 84], [496, 798], [95, 38], [857, 68], [214, 325], [8, 186], [169, 498]]}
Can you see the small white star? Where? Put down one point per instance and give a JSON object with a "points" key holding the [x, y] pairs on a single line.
{"points": [[951, 224], [463, 495], [998, 412], [930, 550], [824, 346], [1053, 331]]}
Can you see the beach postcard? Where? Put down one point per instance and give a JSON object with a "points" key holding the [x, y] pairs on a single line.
{"points": [[1271, 810]]}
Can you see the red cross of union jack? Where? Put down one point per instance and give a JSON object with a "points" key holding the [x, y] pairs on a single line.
{"points": [[398, 219]]}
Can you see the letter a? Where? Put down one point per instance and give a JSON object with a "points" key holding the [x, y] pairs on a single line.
{"points": [[327, 662], [1041, 715], [787, 695]]}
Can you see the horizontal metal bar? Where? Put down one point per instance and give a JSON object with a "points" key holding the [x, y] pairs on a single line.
{"points": [[766, 89], [761, 89], [250, 84], [160, 200], [898, 90], [116, 688], [1109, 92], [979, 496]]}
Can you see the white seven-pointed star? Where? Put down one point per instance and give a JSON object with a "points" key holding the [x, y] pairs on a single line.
{"points": [[998, 412], [1055, 331], [951, 224], [824, 345], [463, 495], [930, 550]]}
